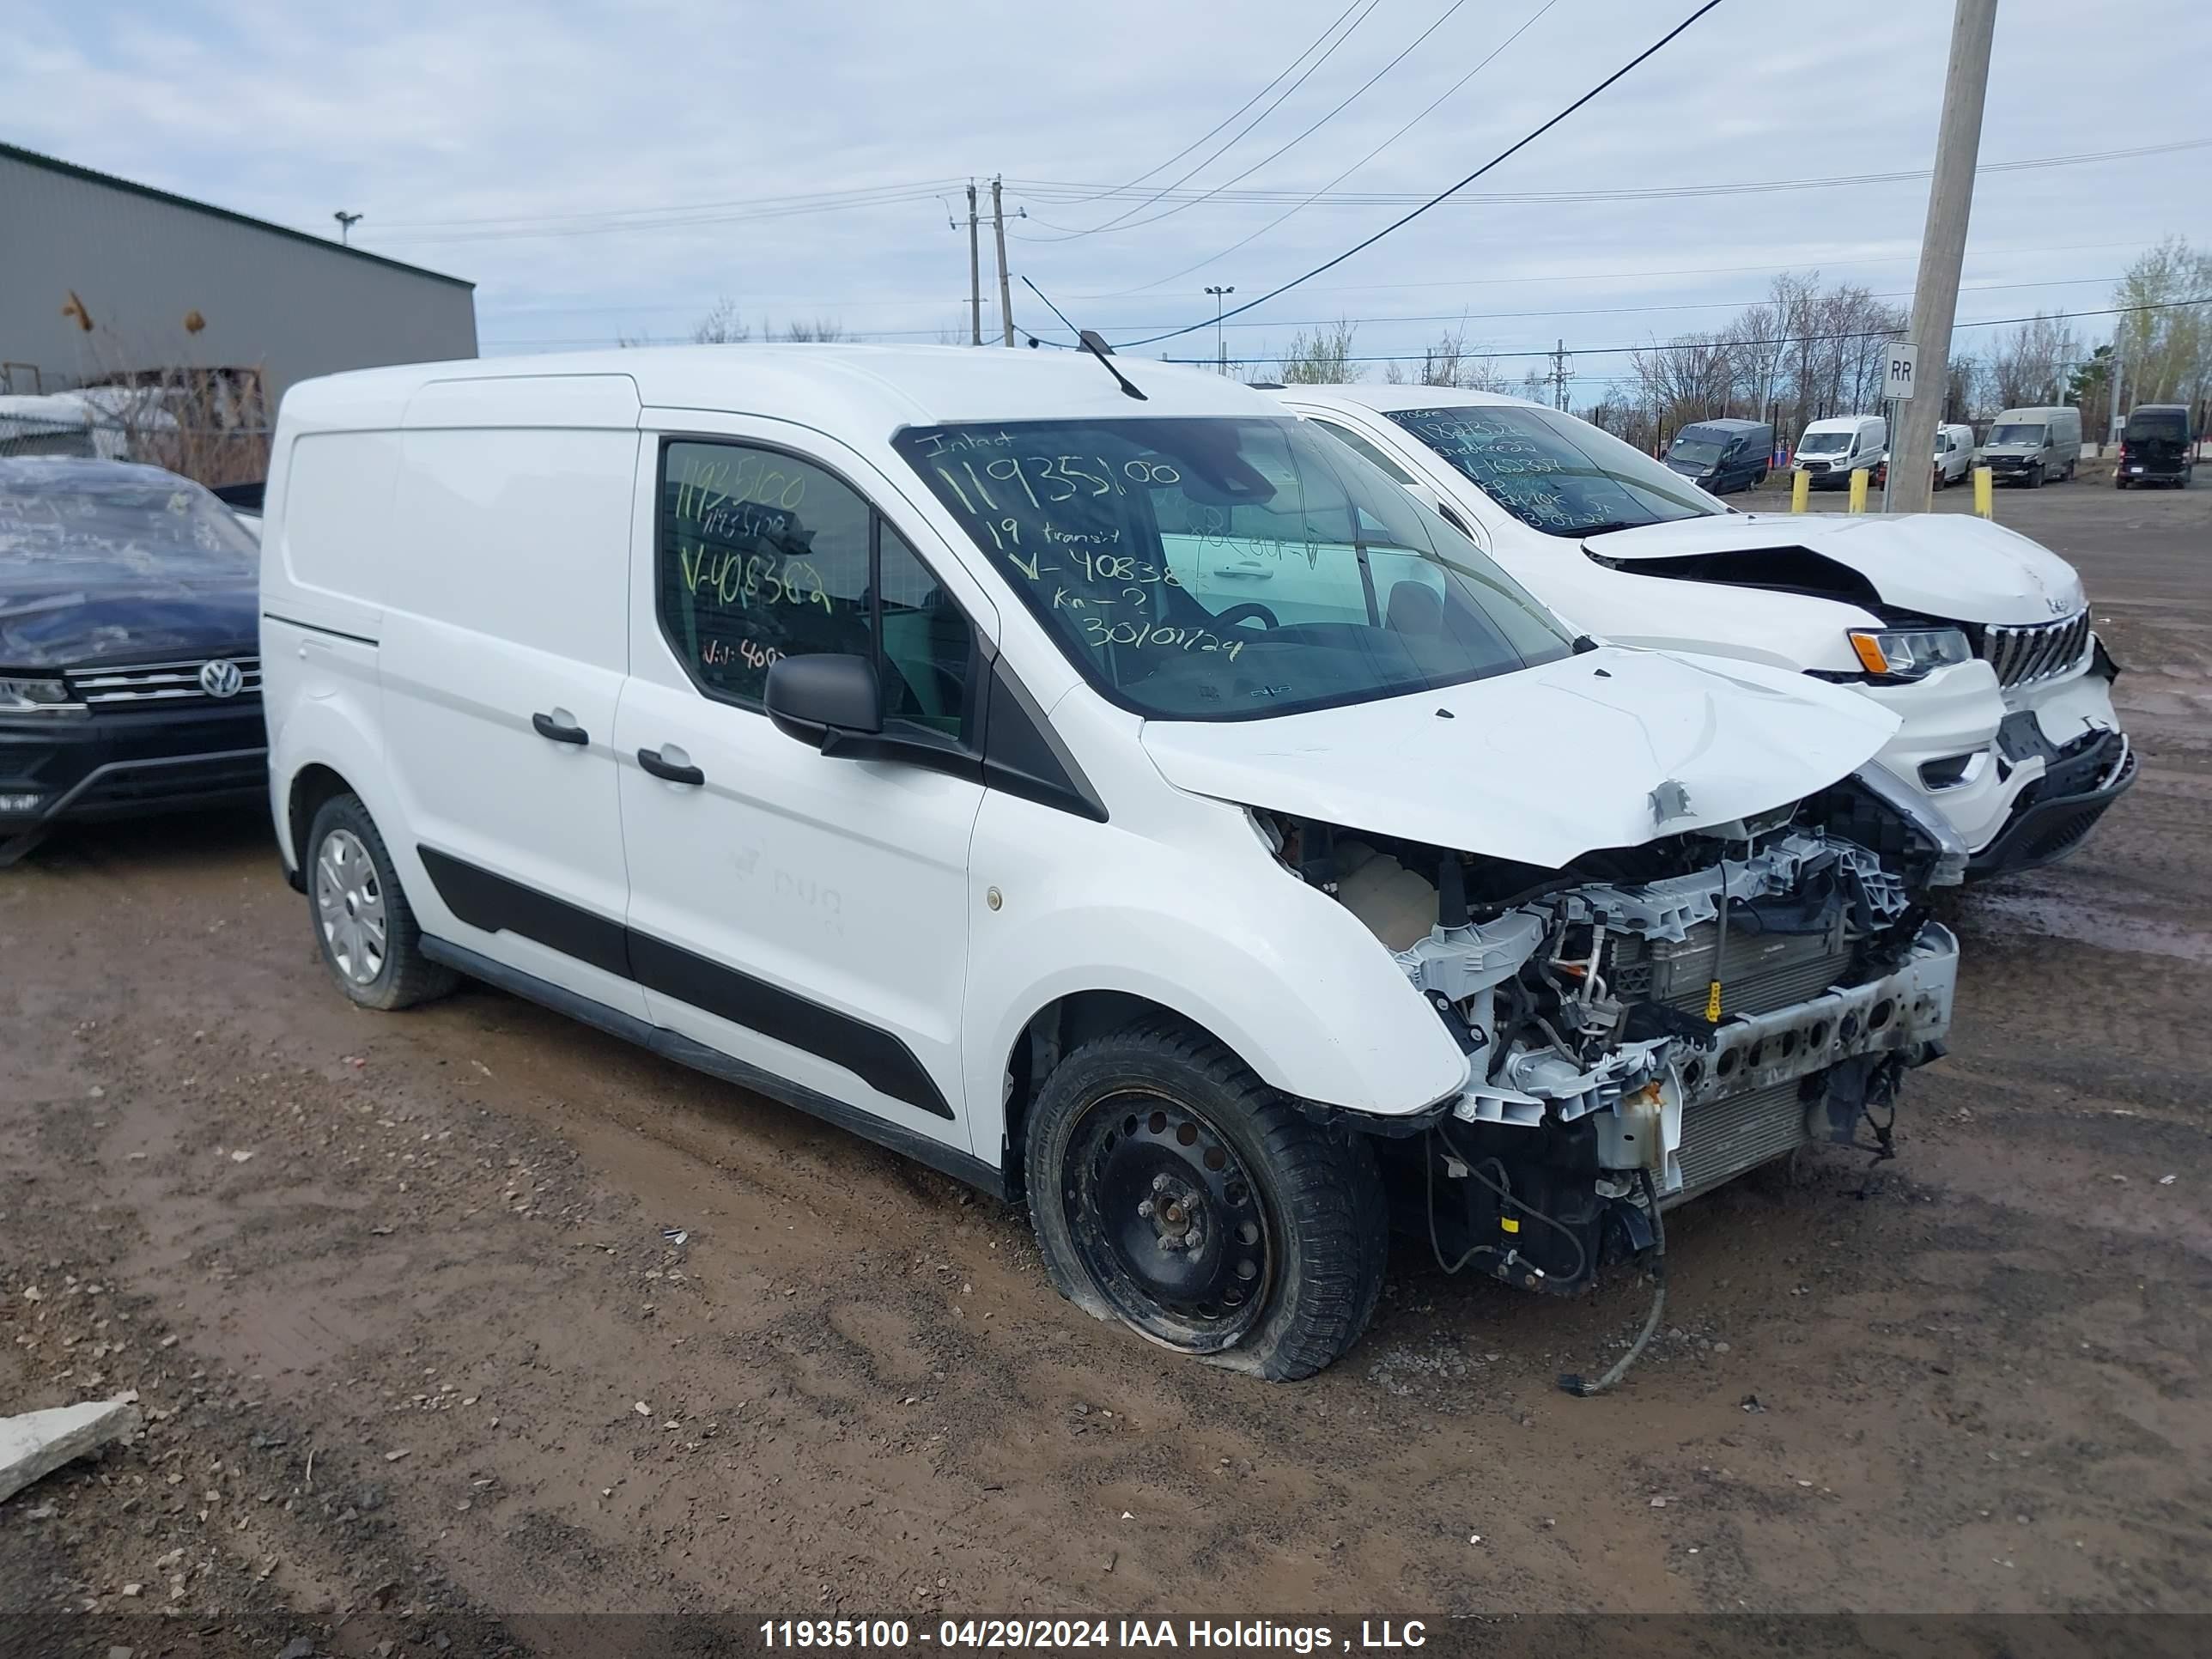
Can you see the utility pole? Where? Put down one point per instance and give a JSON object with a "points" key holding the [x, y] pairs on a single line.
{"points": [[1943, 248], [1560, 376], [2112, 438], [975, 275], [998, 230], [346, 222], [1220, 351]]}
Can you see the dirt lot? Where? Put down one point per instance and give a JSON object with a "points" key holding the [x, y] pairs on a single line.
{"points": [[420, 1365]]}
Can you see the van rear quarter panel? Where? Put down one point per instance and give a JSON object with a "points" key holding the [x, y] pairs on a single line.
{"points": [[506, 592], [322, 572]]}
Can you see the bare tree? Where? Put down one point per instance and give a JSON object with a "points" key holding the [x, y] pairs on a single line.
{"points": [[2166, 353], [2033, 360], [1321, 358], [1450, 360], [822, 328], [721, 325], [1687, 378]]}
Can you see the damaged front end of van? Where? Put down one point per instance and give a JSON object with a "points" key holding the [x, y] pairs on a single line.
{"points": [[1645, 1024]]}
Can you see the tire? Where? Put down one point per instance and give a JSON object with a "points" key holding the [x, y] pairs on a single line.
{"points": [[351, 890], [1252, 1193], [2035, 479], [2118, 482]]}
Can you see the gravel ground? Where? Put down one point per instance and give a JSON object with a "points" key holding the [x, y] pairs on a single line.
{"points": [[421, 1371]]}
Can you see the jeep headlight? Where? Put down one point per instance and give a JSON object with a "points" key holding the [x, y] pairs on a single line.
{"points": [[1909, 653], [29, 696]]}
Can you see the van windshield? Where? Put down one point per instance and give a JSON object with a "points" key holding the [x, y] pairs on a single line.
{"points": [[2016, 432], [1693, 449], [1226, 569], [1553, 472], [1823, 443]]}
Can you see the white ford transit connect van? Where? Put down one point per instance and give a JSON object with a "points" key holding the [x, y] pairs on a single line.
{"points": [[1124, 799]]}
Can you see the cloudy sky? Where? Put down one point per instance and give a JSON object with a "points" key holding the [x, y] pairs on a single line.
{"points": [[606, 172]]}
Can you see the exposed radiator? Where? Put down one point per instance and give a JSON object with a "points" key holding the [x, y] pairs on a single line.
{"points": [[1763, 971], [1722, 1139]]}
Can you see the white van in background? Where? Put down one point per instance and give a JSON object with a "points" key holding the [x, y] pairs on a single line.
{"points": [[1954, 458], [1829, 452], [2031, 446], [1955, 454]]}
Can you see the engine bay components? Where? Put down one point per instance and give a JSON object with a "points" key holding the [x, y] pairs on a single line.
{"points": [[1648, 1022]]}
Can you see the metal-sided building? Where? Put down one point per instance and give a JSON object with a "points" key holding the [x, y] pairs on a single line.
{"points": [[103, 281]]}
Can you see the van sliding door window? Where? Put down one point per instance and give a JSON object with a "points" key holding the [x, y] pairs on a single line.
{"points": [[763, 556]]}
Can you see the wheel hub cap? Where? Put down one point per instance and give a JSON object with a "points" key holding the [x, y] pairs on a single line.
{"points": [[349, 907]]}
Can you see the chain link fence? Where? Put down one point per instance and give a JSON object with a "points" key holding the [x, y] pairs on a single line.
{"points": [[213, 456]]}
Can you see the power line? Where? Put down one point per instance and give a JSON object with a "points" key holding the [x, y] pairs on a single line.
{"points": [[1044, 190], [1779, 339], [1303, 77], [1180, 207], [1649, 52], [1232, 114], [816, 303], [693, 215], [1224, 254], [1441, 316]]}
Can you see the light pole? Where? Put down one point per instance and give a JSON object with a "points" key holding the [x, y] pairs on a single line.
{"points": [[346, 222], [1220, 351]]}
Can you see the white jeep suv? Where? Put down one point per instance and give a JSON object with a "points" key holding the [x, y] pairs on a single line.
{"points": [[1128, 798], [1976, 637]]}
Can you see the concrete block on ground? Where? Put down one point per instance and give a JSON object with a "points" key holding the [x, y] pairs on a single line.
{"points": [[35, 1444]]}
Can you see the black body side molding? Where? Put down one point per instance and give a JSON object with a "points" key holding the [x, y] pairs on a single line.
{"points": [[673, 1045], [499, 905]]}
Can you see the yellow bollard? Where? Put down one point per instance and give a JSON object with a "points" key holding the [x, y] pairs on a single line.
{"points": [[1986, 492], [1800, 491], [1859, 476]]}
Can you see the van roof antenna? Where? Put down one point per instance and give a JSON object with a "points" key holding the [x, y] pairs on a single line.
{"points": [[1088, 340]]}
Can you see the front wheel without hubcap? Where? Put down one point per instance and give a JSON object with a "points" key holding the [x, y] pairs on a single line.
{"points": [[1174, 1192]]}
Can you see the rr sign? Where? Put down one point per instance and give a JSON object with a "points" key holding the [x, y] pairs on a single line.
{"points": [[1903, 362]]}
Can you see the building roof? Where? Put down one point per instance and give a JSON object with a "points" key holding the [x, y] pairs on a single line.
{"points": [[838, 388], [70, 170]]}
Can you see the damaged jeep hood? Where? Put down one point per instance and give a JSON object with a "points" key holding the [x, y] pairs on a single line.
{"points": [[1949, 565], [1608, 748]]}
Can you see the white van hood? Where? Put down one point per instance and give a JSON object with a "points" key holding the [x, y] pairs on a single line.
{"points": [[1608, 748], [1947, 565]]}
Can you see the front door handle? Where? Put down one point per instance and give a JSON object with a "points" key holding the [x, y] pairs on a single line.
{"points": [[674, 771], [559, 727]]}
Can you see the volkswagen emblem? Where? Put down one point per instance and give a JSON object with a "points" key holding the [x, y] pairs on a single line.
{"points": [[222, 678]]}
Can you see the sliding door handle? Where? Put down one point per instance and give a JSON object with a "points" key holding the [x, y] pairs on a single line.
{"points": [[679, 770], [559, 727]]}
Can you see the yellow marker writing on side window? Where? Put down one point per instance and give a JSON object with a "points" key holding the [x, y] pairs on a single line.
{"points": [[1713, 1003]]}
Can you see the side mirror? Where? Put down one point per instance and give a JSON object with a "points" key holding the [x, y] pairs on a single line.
{"points": [[814, 698], [1427, 495], [1432, 498]]}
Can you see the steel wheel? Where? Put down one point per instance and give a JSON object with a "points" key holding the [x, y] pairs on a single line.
{"points": [[1169, 1223], [349, 907]]}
